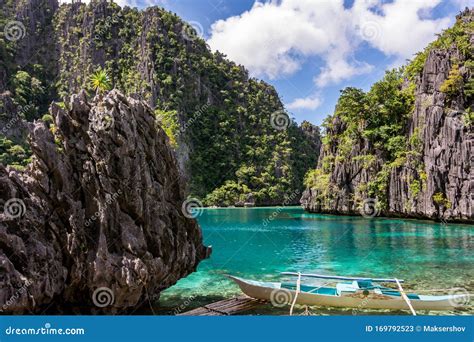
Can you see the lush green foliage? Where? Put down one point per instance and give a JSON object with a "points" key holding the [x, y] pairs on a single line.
{"points": [[12, 154], [207, 105], [169, 122], [228, 194], [319, 180], [369, 130], [468, 118], [458, 35], [440, 199], [100, 81], [376, 118], [26, 72], [453, 84]]}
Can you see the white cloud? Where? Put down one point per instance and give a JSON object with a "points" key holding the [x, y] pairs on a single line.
{"points": [[338, 68], [310, 102], [276, 38], [398, 31]]}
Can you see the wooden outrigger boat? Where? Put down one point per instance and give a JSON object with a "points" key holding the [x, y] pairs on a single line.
{"points": [[349, 292]]}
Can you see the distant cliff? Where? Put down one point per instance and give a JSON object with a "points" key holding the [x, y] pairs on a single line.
{"points": [[406, 147], [98, 221], [231, 134]]}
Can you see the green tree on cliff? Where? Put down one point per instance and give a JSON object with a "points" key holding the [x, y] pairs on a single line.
{"points": [[100, 81]]}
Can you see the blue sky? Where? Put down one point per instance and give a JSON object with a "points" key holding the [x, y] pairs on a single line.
{"points": [[310, 49]]}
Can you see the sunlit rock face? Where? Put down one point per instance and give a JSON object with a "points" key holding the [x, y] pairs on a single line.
{"points": [[442, 163], [96, 221]]}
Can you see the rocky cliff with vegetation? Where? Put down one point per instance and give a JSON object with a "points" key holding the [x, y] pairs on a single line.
{"points": [[405, 147], [233, 140], [98, 220]]}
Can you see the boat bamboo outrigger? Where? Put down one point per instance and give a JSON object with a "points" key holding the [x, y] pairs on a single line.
{"points": [[349, 292]]}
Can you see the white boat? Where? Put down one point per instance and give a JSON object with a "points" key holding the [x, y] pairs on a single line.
{"points": [[358, 293]]}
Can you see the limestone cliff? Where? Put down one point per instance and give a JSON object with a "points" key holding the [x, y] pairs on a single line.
{"points": [[96, 222], [447, 146], [411, 163], [216, 115]]}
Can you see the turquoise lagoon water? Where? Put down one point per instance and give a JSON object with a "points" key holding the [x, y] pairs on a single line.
{"points": [[259, 243]]}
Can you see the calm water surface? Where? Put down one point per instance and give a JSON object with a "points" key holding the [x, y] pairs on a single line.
{"points": [[260, 243]]}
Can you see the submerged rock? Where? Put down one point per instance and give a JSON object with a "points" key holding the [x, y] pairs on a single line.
{"points": [[96, 221]]}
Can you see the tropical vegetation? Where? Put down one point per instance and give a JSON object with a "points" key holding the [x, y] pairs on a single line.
{"points": [[217, 118]]}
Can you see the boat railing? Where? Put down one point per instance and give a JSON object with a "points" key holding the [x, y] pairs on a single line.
{"points": [[298, 289], [405, 297], [322, 276]]}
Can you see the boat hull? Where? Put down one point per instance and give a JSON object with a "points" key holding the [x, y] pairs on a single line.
{"points": [[280, 297]]}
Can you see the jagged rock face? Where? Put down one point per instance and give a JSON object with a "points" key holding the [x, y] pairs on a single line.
{"points": [[102, 208], [37, 45], [32, 38], [448, 149], [153, 55], [11, 124], [313, 134], [28, 44], [446, 175]]}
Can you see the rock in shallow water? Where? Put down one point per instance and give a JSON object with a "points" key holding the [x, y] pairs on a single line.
{"points": [[95, 223]]}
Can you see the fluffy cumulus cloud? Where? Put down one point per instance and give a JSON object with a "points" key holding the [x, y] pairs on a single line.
{"points": [[276, 38], [310, 102], [271, 38], [397, 28]]}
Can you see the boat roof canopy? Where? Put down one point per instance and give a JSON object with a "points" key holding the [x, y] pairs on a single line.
{"points": [[322, 276]]}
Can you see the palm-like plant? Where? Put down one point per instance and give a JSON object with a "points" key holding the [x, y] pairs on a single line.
{"points": [[100, 81]]}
